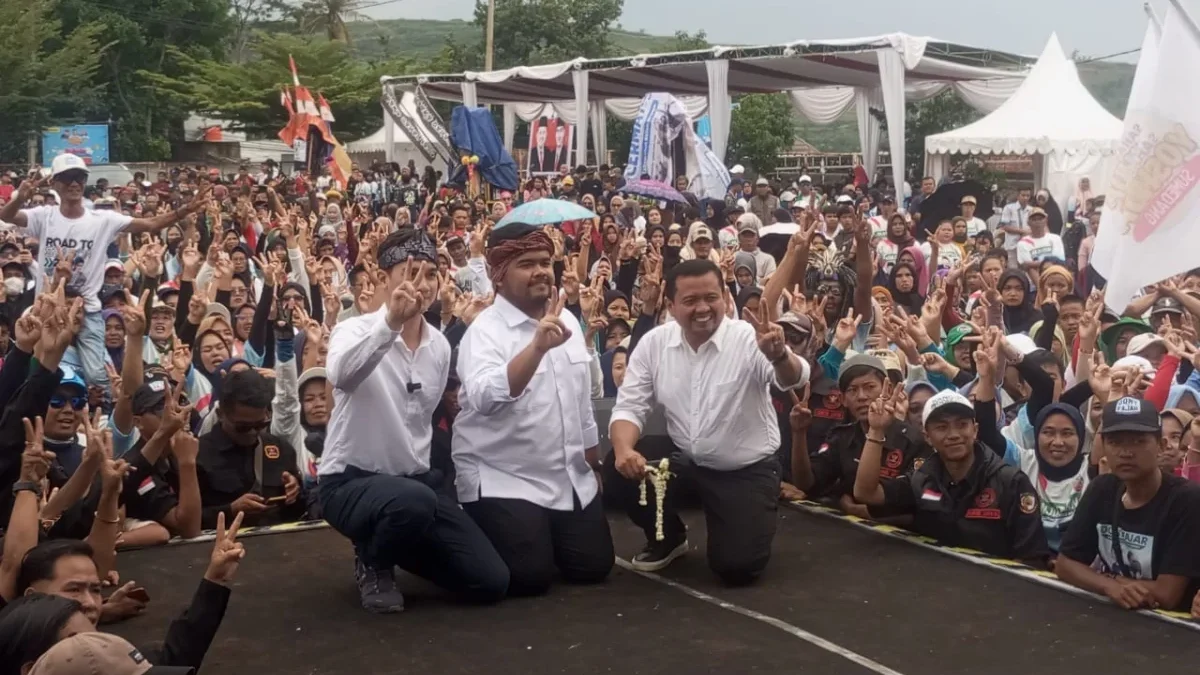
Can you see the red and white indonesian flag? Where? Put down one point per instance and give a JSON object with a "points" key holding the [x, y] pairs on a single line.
{"points": [[1149, 230]]}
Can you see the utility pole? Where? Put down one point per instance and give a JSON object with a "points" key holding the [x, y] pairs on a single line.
{"points": [[491, 29]]}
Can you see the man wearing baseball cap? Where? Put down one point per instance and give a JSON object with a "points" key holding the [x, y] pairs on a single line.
{"points": [[975, 225], [99, 653], [830, 471], [1040, 244], [763, 203], [965, 495], [1135, 536], [86, 235]]}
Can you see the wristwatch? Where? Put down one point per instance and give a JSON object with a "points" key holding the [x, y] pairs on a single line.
{"points": [[31, 486]]}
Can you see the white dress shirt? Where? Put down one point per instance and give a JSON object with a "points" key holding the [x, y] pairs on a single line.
{"points": [[377, 423], [529, 447], [717, 399]]}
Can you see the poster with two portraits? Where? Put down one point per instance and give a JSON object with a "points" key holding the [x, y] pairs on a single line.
{"points": [[550, 146]]}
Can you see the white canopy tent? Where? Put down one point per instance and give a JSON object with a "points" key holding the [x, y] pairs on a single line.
{"points": [[1053, 116], [875, 69], [399, 150]]}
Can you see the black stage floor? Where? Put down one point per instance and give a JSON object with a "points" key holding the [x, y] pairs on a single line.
{"points": [[836, 599]]}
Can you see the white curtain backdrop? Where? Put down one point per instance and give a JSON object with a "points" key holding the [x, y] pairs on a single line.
{"points": [[869, 128], [468, 92], [510, 125], [599, 134], [891, 75], [719, 105], [580, 78]]}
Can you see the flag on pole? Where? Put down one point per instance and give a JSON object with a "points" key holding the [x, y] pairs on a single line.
{"points": [[326, 113], [288, 133], [1146, 229], [295, 75]]}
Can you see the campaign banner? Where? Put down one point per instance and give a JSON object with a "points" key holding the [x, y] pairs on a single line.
{"points": [[661, 121], [88, 141], [550, 146], [1147, 230]]}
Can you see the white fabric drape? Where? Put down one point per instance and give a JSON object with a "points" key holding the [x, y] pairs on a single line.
{"points": [[621, 108], [719, 105], [389, 136], [891, 76], [580, 79], [599, 123], [468, 93], [822, 105], [510, 125], [870, 130]]}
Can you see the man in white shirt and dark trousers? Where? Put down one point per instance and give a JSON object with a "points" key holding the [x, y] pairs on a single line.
{"points": [[388, 369], [525, 441], [712, 375]]}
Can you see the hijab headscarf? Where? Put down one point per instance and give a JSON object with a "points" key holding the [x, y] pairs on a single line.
{"points": [[912, 301], [117, 354], [919, 269], [1060, 473], [1081, 198], [1052, 271], [606, 364], [1018, 319]]}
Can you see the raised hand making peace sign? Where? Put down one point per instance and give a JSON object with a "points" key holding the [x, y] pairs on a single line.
{"points": [[769, 335], [407, 300], [551, 331], [227, 551]]}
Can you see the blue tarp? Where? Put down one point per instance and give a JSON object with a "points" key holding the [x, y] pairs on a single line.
{"points": [[473, 132]]}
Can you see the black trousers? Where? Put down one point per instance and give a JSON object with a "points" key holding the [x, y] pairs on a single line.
{"points": [[740, 509], [405, 521], [533, 541]]}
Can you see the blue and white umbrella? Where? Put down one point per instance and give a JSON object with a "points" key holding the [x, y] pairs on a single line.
{"points": [[545, 212]]}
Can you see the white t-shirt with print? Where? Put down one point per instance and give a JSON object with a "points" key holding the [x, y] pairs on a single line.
{"points": [[89, 235], [1036, 250], [949, 256]]}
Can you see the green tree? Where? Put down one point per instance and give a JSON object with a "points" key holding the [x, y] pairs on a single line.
{"points": [[536, 32], [247, 93], [140, 33], [329, 16], [45, 72], [941, 113], [686, 42], [761, 129]]}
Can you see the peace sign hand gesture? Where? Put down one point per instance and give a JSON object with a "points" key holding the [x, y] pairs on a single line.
{"points": [[883, 409], [846, 329], [800, 418], [770, 336], [406, 301], [551, 331], [227, 551]]}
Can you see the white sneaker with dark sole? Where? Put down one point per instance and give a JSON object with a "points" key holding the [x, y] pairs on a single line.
{"points": [[657, 555]]}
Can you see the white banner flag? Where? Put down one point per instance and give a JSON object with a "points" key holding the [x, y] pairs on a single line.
{"points": [[1148, 230]]}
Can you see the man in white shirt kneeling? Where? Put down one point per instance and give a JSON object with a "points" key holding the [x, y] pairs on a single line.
{"points": [[712, 375], [388, 369], [525, 441]]}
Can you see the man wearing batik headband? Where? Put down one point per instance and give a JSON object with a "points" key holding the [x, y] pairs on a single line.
{"points": [[525, 442], [388, 369]]}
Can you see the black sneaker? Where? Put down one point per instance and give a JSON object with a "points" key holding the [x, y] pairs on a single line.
{"points": [[659, 554], [377, 588]]}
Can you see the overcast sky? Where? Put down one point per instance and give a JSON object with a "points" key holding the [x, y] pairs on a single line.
{"points": [[1094, 27]]}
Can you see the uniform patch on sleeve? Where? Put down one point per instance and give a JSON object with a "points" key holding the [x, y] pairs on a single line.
{"points": [[1029, 503]]}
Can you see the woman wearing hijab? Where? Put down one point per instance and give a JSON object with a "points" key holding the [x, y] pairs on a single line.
{"points": [[898, 238], [1078, 207], [114, 337], [1057, 467], [916, 258], [1019, 312], [902, 284]]}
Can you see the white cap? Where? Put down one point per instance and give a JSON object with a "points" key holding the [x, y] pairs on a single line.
{"points": [[1139, 343], [844, 199], [804, 179], [1022, 343], [67, 162], [738, 168], [787, 196], [1134, 361], [943, 400]]}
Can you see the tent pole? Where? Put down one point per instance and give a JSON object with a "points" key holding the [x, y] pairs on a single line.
{"points": [[1187, 18], [491, 32]]}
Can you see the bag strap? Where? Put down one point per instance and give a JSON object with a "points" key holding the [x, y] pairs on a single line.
{"points": [[1118, 508], [258, 467]]}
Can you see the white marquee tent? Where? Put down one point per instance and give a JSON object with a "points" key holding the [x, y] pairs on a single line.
{"points": [[876, 73], [1051, 116], [400, 150]]}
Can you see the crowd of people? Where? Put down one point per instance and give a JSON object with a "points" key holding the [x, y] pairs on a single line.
{"points": [[419, 367]]}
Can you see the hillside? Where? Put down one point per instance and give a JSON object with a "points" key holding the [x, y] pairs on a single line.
{"points": [[1109, 82], [422, 39]]}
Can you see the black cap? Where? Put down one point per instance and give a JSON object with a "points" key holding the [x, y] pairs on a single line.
{"points": [[1167, 304], [150, 396], [582, 168], [1130, 414]]}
